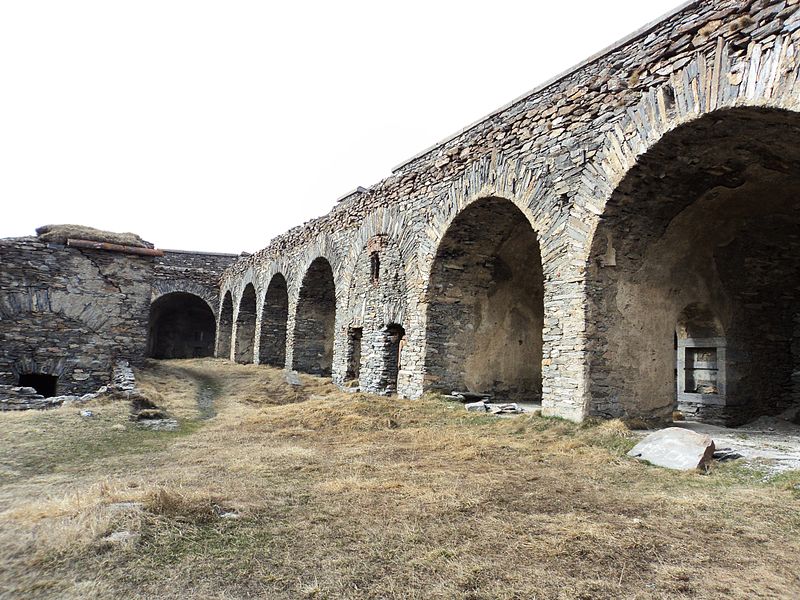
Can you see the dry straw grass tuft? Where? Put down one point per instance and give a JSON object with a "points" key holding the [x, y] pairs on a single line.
{"points": [[311, 492]]}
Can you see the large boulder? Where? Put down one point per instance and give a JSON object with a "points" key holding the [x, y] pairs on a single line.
{"points": [[675, 448]]}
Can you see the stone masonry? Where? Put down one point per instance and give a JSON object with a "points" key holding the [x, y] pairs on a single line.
{"points": [[579, 160], [70, 314]]}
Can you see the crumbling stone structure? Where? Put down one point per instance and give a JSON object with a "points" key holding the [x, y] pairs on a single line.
{"points": [[68, 314], [623, 240], [556, 249], [183, 303]]}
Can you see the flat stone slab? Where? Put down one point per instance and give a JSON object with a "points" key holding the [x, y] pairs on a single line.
{"points": [[675, 448]]}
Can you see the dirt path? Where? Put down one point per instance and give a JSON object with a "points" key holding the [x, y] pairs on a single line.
{"points": [[773, 449], [208, 390]]}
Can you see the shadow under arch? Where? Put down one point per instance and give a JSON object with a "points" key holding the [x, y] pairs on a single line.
{"points": [[708, 216], [485, 309]]}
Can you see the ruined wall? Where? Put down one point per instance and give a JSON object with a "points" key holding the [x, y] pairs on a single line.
{"points": [[700, 221], [557, 154], [376, 302], [196, 273], [70, 313]]}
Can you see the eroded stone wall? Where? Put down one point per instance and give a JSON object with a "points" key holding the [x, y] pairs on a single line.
{"points": [[709, 217], [558, 154], [70, 313]]}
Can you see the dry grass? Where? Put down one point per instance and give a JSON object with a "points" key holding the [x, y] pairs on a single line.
{"points": [[312, 493]]}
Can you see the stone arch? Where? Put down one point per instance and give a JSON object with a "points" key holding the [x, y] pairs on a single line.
{"points": [[315, 319], [95, 316], [274, 320], [707, 217], [181, 325], [713, 88], [765, 76], [485, 304], [493, 176], [543, 203], [225, 326], [163, 287], [245, 332], [60, 344]]}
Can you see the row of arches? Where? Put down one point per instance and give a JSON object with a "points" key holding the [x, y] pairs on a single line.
{"points": [[314, 322], [690, 291]]}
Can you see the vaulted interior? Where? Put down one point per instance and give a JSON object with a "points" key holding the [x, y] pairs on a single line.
{"points": [[694, 274], [182, 325], [272, 350], [315, 320], [246, 326], [485, 305], [225, 327]]}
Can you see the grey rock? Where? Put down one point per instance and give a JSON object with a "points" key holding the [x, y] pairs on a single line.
{"points": [[159, 424], [675, 448], [292, 378]]}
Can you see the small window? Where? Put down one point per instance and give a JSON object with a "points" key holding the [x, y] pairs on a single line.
{"points": [[374, 267]]}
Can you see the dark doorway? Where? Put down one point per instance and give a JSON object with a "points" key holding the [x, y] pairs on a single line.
{"points": [[181, 326], [45, 385], [393, 340], [354, 336]]}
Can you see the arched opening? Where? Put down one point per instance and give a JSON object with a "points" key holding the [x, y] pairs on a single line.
{"points": [[273, 323], [703, 233], [182, 325], [315, 320], [225, 327], [45, 385], [246, 326], [486, 305]]}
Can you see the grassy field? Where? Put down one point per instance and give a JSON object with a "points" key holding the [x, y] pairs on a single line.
{"points": [[311, 493]]}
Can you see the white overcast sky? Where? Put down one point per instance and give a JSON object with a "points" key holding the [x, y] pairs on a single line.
{"points": [[218, 125]]}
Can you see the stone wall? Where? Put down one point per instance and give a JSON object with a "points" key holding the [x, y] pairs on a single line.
{"points": [[70, 313], [558, 154], [196, 273], [376, 302]]}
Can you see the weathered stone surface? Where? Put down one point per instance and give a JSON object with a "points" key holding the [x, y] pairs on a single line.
{"points": [[73, 313], [559, 155], [675, 448], [548, 252]]}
